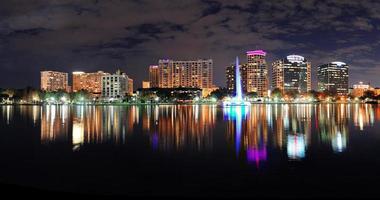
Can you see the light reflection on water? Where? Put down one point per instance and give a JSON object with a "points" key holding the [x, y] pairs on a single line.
{"points": [[252, 131]]}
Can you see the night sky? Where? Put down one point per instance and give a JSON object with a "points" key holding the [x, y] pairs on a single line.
{"points": [[105, 35]]}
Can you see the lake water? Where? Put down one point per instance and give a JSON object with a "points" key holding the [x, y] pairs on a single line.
{"points": [[193, 150]]}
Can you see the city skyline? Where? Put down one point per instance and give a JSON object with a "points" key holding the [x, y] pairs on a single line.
{"points": [[190, 98], [292, 73], [98, 35]]}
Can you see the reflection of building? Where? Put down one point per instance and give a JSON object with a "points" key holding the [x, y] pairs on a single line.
{"points": [[78, 132], [196, 74], [296, 146], [333, 77], [292, 74], [54, 81], [333, 125], [91, 82], [363, 115], [183, 127], [168, 127], [287, 127], [154, 76], [55, 124], [247, 130], [339, 142], [116, 86]]}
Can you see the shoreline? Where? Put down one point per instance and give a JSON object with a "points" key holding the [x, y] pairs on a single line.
{"points": [[174, 104]]}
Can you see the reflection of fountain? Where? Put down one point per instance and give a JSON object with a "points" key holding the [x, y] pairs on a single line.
{"points": [[237, 114], [238, 99]]}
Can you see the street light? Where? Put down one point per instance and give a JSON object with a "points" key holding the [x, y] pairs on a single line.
{"points": [[63, 99]]}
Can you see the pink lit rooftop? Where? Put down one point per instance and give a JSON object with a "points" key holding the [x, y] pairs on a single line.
{"points": [[256, 53]]}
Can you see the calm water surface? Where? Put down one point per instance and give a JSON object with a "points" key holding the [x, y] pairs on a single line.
{"points": [[278, 150]]}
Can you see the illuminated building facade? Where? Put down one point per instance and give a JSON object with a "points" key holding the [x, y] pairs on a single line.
{"points": [[145, 84], [359, 89], [230, 77], [194, 74], [292, 74], [115, 86], [154, 76], [178, 94], [255, 73], [91, 82], [130, 86], [54, 81], [333, 77]]}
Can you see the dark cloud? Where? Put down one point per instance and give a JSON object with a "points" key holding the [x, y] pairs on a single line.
{"points": [[89, 35]]}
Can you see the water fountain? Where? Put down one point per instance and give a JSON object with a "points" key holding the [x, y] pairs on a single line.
{"points": [[236, 108], [238, 99]]}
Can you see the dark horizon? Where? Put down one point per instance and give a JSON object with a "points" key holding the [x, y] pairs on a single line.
{"points": [[131, 35]]}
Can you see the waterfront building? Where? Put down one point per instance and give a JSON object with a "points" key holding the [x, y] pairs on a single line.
{"points": [[230, 77], [255, 73], [193, 74], [377, 91], [180, 94], [91, 82], [115, 86], [207, 91], [130, 86], [333, 77], [146, 84], [54, 81], [360, 88], [292, 74], [154, 76]]}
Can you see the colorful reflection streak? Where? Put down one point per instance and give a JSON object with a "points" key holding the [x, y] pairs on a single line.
{"points": [[332, 125], [364, 115], [253, 131], [180, 127], [247, 128], [292, 125], [55, 124], [236, 115], [168, 127]]}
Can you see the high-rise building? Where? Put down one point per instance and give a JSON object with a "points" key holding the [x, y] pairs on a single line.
{"points": [[91, 82], [130, 86], [230, 77], [154, 76], [333, 77], [165, 74], [194, 74], [115, 86], [292, 74], [255, 73], [54, 81]]}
